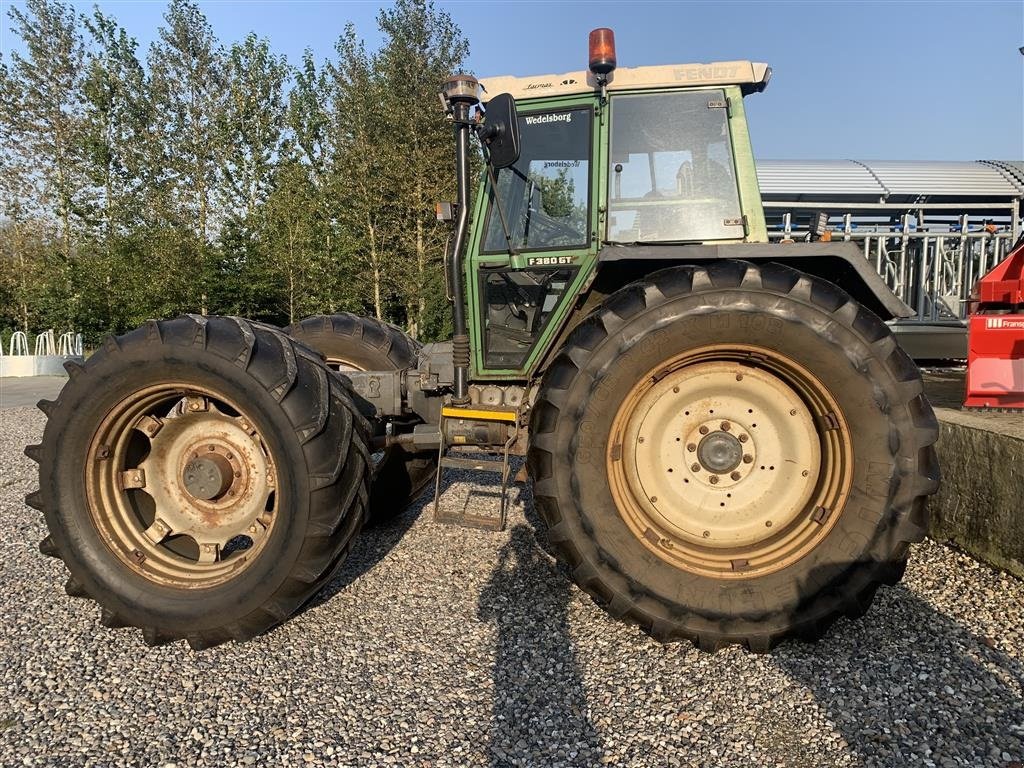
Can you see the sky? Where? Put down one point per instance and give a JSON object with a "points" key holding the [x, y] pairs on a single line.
{"points": [[864, 80]]}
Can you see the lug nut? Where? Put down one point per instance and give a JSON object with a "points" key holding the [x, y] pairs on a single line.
{"points": [[707, 534], [743, 438], [714, 480], [704, 430], [695, 467], [735, 475], [725, 426], [747, 458], [691, 447]]}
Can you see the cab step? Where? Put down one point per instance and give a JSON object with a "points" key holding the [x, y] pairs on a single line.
{"points": [[467, 516]]}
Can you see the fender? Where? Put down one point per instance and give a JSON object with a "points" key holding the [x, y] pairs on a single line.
{"points": [[841, 263]]}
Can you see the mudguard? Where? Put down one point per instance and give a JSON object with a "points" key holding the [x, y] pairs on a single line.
{"points": [[841, 263]]}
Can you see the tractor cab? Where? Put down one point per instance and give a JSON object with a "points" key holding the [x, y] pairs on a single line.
{"points": [[607, 158]]}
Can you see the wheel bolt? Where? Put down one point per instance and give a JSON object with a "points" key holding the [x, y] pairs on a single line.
{"points": [[707, 534], [725, 425], [743, 438], [695, 467], [675, 389], [639, 439], [230, 456], [747, 458], [792, 411], [704, 430], [767, 523], [804, 473], [691, 447], [735, 475], [714, 480], [211, 448]]}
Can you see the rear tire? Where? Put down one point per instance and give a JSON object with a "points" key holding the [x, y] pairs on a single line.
{"points": [[124, 508], [350, 341], [627, 516]]}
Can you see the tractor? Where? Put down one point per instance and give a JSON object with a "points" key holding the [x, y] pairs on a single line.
{"points": [[725, 442]]}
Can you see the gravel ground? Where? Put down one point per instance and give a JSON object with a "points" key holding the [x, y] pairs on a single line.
{"points": [[441, 646]]}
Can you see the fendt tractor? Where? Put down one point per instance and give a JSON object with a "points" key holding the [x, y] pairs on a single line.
{"points": [[725, 442]]}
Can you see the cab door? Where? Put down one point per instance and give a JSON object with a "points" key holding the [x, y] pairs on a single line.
{"points": [[537, 238]]}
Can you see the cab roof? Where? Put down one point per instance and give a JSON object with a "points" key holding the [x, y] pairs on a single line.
{"points": [[751, 76]]}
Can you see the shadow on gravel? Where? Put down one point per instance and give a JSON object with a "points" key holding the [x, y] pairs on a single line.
{"points": [[907, 674], [540, 705]]}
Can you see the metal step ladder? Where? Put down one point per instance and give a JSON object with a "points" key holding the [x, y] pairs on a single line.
{"points": [[468, 517]]}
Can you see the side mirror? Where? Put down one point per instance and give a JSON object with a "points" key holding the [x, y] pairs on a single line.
{"points": [[500, 131]]}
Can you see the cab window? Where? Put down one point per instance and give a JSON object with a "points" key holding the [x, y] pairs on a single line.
{"points": [[545, 196], [671, 176]]}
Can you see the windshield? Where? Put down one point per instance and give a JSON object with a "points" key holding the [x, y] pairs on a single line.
{"points": [[545, 196], [671, 176]]}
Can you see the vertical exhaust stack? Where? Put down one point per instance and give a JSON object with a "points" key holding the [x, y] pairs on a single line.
{"points": [[460, 94]]}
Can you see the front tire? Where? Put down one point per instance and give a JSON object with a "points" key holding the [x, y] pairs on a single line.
{"points": [[201, 478], [733, 454]]}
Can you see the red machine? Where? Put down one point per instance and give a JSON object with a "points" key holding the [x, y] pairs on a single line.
{"points": [[995, 340]]}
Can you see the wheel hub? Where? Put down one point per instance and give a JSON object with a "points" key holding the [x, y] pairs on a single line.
{"points": [[719, 452], [208, 477]]}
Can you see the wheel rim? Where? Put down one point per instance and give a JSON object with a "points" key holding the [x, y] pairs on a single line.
{"points": [[730, 461], [181, 485]]}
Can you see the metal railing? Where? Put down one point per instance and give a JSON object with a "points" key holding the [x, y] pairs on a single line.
{"points": [[51, 352], [933, 272]]}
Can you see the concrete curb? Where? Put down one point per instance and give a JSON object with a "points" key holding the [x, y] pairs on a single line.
{"points": [[980, 503]]}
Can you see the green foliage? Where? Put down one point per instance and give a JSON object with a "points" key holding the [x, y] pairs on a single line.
{"points": [[220, 179]]}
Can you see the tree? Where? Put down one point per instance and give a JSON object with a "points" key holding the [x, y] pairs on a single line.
{"points": [[251, 124], [44, 121], [299, 267], [363, 164], [422, 47], [116, 118], [187, 90]]}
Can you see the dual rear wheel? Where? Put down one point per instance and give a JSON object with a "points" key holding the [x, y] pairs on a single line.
{"points": [[202, 478]]}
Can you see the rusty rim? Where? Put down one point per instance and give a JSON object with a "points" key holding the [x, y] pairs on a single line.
{"points": [[181, 485], [730, 461]]}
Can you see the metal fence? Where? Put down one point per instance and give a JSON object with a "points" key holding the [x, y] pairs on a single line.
{"points": [[933, 272], [51, 352]]}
